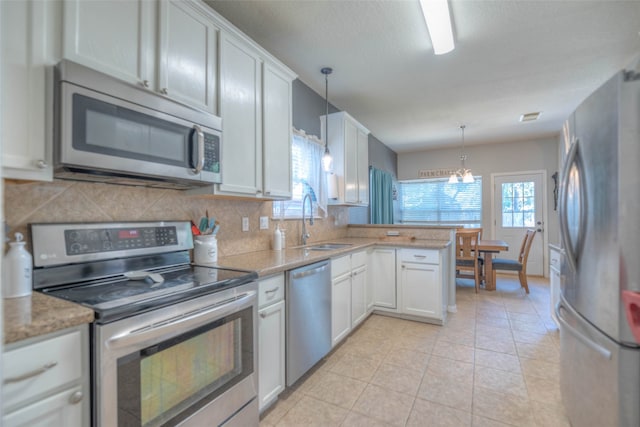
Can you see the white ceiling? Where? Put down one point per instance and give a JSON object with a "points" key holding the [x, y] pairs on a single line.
{"points": [[511, 57]]}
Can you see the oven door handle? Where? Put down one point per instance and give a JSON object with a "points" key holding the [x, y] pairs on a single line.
{"points": [[180, 323]]}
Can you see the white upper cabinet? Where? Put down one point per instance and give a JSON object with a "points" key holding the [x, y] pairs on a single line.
{"points": [[241, 112], [255, 106], [349, 146], [277, 113], [30, 45], [117, 38], [187, 55]]}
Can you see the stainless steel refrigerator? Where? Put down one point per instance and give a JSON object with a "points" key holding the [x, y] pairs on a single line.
{"points": [[600, 272]]}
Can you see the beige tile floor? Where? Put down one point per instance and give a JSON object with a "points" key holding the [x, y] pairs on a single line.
{"points": [[495, 363]]}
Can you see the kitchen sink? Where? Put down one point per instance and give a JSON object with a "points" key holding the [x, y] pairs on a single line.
{"points": [[329, 246]]}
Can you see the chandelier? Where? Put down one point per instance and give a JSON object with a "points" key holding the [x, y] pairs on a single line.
{"points": [[463, 173]]}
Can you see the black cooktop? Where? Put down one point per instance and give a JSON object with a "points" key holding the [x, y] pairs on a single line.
{"points": [[118, 297]]}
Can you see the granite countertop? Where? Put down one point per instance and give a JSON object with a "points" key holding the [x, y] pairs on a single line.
{"points": [[40, 314], [269, 262]]}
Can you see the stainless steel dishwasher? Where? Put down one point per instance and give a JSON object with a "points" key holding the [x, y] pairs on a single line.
{"points": [[308, 299]]}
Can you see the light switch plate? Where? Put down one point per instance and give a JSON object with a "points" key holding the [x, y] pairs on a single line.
{"points": [[264, 223], [245, 223]]}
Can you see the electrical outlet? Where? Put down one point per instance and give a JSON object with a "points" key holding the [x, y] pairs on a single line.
{"points": [[264, 223], [245, 223]]}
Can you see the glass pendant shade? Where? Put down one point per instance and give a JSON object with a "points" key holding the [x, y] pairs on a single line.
{"points": [[327, 160]]}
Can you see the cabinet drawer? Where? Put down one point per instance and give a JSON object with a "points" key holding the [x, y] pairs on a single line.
{"points": [[424, 256], [270, 290], [340, 266], [40, 367], [358, 259]]}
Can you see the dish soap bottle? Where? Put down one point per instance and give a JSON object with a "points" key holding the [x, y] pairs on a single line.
{"points": [[277, 239], [17, 268]]}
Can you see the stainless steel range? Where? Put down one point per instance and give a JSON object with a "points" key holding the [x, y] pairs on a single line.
{"points": [[172, 343]]}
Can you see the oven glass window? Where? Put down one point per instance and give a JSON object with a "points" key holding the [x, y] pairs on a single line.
{"points": [[165, 383]]}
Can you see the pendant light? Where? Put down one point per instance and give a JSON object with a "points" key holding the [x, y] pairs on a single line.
{"points": [[327, 160], [463, 172]]}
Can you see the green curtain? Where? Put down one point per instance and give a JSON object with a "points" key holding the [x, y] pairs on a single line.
{"points": [[381, 195]]}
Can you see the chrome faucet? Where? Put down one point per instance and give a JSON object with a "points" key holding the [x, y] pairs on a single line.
{"points": [[306, 235]]}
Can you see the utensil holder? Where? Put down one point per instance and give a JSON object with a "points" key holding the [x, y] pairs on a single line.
{"points": [[205, 249]]}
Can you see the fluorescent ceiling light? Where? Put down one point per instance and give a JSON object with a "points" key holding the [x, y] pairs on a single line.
{"points": [[436, 15]]}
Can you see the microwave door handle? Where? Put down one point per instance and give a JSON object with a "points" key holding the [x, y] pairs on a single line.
{"points": [[200, 162]]}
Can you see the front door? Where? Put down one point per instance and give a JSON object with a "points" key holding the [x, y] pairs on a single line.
{"points": [[519, 205]]}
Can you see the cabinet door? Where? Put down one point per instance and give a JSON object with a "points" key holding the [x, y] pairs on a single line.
{"points": [[421, 290], [117, 38], [240, 109], [62, 409], [187, 55], [363, 168], [358, 296], [340, 308], [350, 162], [383, 275], [276, 133], [271, 336], [30, 40]]}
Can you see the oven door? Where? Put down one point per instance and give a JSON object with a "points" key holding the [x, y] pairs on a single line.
{"points": [[185, 364], [103, 133]]}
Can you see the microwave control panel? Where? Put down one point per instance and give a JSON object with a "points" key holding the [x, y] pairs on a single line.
{"points": [[211, 153]]}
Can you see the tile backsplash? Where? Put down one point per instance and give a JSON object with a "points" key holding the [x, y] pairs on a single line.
{"points": [[70, 201]]}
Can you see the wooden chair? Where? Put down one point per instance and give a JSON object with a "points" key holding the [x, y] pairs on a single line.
{"points": [[480, 259], [519, 265], [467, 265]]}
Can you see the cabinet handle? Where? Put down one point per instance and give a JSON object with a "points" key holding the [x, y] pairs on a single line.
{"points": [[42, 164], [420, 256], [76, 397], [31, 374], [145, 83], [404, 266], [263, 315], [164, 91], [270, 291]]}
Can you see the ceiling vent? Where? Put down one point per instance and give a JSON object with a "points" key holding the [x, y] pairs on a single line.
{"points": [[530, 117]]}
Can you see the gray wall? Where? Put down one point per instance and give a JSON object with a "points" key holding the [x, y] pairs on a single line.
{"points": [[494, 158], [308, 106]]}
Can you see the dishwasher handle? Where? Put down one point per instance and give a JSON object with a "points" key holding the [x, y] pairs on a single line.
{"points": [[295, 274]]}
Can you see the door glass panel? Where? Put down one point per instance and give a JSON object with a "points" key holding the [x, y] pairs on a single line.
{"points": [[518, 204]]}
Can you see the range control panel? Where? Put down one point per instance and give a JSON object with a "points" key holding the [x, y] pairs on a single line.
{"points": [[86, 241]]}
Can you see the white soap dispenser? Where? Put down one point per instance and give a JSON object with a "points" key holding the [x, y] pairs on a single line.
{"points": [[17, 268], [277, 239]]}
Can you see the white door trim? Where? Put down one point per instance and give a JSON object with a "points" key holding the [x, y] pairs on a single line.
{"points": [[545, 219]]}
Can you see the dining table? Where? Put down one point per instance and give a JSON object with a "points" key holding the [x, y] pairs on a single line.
{"points": [[488, 248]]}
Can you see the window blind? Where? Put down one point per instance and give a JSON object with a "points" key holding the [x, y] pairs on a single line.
{"points": [[436, 202]]}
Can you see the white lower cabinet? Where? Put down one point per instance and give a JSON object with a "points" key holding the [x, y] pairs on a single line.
{"points": [[348, 294], [340, 298], [271, 338], [421, 284], [46, 380], [382, 270]]}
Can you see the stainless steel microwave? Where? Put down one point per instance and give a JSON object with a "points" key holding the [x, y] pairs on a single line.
{"points": [[111, 131]]}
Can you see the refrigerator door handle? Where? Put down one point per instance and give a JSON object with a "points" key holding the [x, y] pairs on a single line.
{"points": [[571, 247], [580, 336]]}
